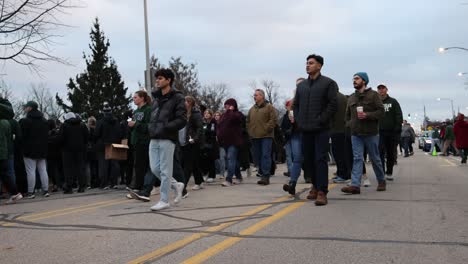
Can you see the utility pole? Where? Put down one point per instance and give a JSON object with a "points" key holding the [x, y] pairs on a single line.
{"points": [[148, 83]]}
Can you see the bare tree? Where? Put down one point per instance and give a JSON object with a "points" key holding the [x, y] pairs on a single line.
{"points": [[271, 91], [47, 103], [213, 96], [27, 30], [5, 91]]}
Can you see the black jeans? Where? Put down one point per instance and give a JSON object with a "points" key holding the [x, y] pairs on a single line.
{"points": [[191, 162], [73, 166], [387, 150], [6, 179], [406, 142], [108, 170], [141, 154], [339, 153], [315, 151]]}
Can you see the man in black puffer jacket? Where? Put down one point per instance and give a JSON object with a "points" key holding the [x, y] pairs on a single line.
{"points": [[35, 132], [108, 131], [168, 116], [73, 137], [314, 106]]}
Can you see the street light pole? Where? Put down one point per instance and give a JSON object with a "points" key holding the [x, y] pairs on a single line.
{"points": [[147, 75], [442, 50]]}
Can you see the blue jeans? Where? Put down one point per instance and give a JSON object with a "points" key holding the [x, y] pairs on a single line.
{"points": [[262, 151], [221, 162], [232, 163], [372, 145], [294, 147], [161, 155], [288, 151], [11, 170]]}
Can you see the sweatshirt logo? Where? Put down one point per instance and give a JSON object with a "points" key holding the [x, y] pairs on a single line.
{"points": [[387, 107]]}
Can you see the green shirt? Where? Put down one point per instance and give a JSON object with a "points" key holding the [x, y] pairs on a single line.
{"points": [[140, 134]]}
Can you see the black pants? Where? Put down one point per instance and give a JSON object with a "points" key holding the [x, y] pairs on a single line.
{"points": [[339, 153], [73, 165], [387, 150], [55, 171], [108, 170], [141, 153], [406, 141], [190, 163], [315, 151], [126, 168], [6, 179]]}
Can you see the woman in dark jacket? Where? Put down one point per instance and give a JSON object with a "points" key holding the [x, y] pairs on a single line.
{"points": [[191, 139], [54, 156], [210, 150], [73, 137], [230, 137]]}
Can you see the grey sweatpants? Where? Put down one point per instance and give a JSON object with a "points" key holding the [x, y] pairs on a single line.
{"points": [[31, 165]]}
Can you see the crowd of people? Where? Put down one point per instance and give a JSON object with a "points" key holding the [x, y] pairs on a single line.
{"points": [[170, 138]]}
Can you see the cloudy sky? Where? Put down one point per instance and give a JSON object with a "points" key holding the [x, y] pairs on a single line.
{"points": [[237, 41]]}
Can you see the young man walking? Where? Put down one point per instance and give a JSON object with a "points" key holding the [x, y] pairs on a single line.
{"points": [[363, 113], [314, 106], [389, 128], [168, 116]]}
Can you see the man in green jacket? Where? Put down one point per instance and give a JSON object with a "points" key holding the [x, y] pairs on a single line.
{"points": [[449, 139], [364, 110], [6, 113], [261, 122], [389, 128]]}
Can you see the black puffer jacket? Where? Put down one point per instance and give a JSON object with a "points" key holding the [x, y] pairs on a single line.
{"points": [[35, 130], [315, 103], [195, 127], [168, 115], [73, 136], [108, 131]]}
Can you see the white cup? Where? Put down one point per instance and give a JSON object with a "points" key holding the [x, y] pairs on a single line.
{"points": [[360, 109], [291, 114]]}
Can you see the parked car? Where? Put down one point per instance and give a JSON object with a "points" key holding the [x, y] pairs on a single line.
{"points": [[425, 141]]}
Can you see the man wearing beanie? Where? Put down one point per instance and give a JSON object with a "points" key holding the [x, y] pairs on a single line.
{"points": [[389, 130], [363, 113], [314, 106]]}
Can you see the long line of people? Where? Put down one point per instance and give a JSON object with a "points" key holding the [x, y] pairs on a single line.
{"points": [[171, 138]]}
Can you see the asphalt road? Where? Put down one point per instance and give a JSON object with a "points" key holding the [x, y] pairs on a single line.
{"points": [[421, 218]]}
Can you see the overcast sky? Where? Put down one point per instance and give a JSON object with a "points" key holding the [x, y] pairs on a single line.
{"points": [[237, 41]]}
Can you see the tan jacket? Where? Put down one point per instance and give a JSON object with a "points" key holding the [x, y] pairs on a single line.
{"points": [[261, 121]]}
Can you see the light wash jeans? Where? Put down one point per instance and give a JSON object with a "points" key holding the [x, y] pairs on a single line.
{"points": [[31, 165], [295, 159], [372, 145], [221, 162], [161, 157]]}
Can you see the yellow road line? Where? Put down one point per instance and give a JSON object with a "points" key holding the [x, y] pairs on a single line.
{"points": [[66, 212], [216, 249], [190, 239]]}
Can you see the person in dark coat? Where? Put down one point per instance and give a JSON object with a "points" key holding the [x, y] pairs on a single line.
{"points": [[35, 131], [461, 136], [230, 137], [73, 137], [92, 167], [210, 149], [54, 156], [108, 131]]}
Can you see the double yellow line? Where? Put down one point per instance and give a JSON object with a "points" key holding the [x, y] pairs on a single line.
{"points": [[66, 211], [216, 249]]}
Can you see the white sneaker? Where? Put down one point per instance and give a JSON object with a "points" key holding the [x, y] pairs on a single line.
{"points": [[160, 206], [129, 196], [389, 177], [205, 178], [367, 183], [179, 190], [155, 191], [210, 180], [197, 187], [249, 172], [15, 198]]}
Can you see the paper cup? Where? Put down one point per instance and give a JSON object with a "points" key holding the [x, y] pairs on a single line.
{"points": [[360, 109]]}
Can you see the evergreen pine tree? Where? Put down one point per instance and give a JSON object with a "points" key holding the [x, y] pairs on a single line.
{"points": [[100, 82]]}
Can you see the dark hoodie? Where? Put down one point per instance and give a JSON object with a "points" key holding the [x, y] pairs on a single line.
{"points": [[73, 136], [168, 115], [108, 131], [35, 131], [230, 126]]}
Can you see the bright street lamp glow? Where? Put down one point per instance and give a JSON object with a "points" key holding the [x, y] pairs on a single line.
{"points": [[438, 99], [441, 50]]}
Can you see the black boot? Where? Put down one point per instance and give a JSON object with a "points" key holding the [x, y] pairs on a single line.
{"points": [[264, 181]]}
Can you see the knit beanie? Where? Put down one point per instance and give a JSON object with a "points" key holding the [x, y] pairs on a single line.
{"points": [[231, 101], [363, 76]]}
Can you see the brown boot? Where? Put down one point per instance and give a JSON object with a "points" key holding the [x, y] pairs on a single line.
{"points": [[321, 199], [351, 190], [312, 194], [264, 181], [382, 186]]}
